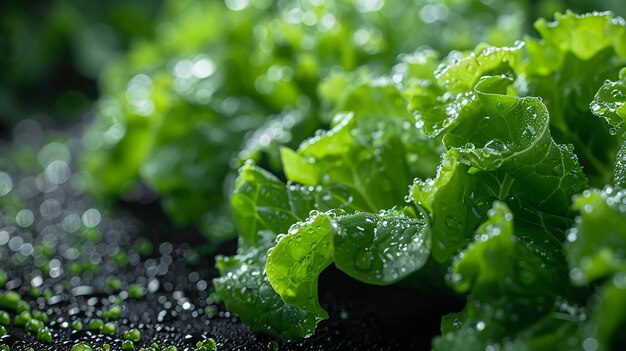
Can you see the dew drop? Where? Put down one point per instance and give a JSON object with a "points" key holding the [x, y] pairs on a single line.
{"points": [[363, 260]]}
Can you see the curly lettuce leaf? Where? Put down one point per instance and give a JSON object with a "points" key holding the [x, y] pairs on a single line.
{"points": [[260, 201], [438, 100], [245, 290], [592, 46], [511, 134], [500, 149], [597, 244], [343, 169], [610, 103], [264, 208], [539, 68], [365, 96], [381, 248], [510, 289], [459, 75], [365, 154], [584, 35], [456, 202], [595, 251], [295, 263], [377, 249]]}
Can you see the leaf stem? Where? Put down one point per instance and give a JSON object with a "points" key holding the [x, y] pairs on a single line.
{"points": [[505, 187]]}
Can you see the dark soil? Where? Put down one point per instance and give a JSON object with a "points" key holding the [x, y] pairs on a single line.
{"points": [[63, 267]]}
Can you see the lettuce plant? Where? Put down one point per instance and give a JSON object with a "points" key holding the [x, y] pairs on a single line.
{"points": [[502, 167], [226, 81]]}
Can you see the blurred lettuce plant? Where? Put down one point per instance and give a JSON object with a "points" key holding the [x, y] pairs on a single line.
{"points": [[223, 82], [51, 52]]}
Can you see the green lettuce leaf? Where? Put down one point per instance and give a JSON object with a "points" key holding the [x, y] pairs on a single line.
{"points": [[339, 170], [610, 102], [584, 35], [365, 154], [437, 101], [295, 263], [377, 249], [510, 288], [539, 68], [595, 250], [500, 149], [245, 290], [381, 248], [457, 202], [592, 46], [511, 134], [260, 201], [596, 246], [265, 208]]}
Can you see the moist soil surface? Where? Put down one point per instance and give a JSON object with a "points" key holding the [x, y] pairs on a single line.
{"points": [[73, 261]]}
